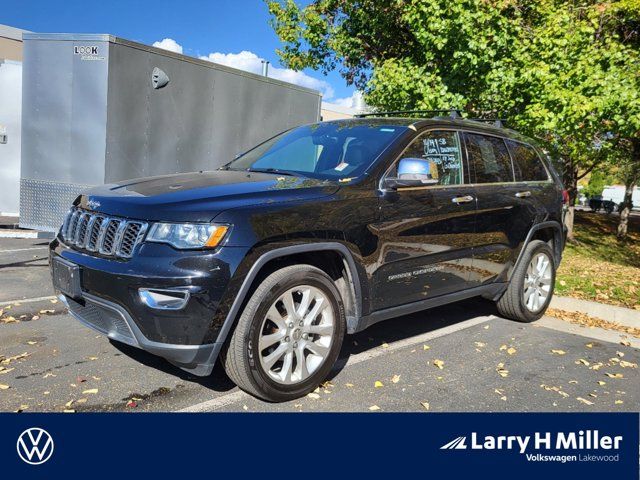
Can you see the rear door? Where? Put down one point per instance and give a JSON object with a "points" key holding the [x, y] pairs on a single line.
{"points": [[505, 210], [426, 233]]}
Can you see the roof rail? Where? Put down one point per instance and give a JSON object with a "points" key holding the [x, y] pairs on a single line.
{"points": [[452, 112], [496, 122]]}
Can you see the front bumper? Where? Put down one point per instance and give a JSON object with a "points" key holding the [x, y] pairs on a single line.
{"points": [[110, 300], [113, 321]]}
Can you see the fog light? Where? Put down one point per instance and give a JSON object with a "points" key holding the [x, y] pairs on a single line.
{"points": [[164, 299]]}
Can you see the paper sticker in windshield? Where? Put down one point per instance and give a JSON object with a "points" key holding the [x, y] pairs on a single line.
{"points": [[341, 166]]}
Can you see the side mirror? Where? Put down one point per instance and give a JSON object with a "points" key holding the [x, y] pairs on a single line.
{"points": [[412, 172]]}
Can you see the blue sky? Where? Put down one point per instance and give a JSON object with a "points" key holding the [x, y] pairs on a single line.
{"points": [[217, 29]]}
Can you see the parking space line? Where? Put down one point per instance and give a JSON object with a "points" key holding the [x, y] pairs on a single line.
{"points": [[236, 396], [23, 249], [27, 300]]}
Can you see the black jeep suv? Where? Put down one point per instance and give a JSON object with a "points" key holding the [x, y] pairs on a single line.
{"points": [[322, 230]]}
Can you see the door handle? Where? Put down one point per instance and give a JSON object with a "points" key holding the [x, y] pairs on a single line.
{"points": [[523, 194], [464, 199]]}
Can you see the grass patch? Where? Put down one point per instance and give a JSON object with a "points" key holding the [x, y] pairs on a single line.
{"points": [[599, 267]]}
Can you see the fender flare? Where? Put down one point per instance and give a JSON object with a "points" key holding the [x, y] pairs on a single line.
{"points": [[558, 241], [352, 272]]}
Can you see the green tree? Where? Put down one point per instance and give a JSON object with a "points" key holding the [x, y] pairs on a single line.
{"points": [[564, 72]]}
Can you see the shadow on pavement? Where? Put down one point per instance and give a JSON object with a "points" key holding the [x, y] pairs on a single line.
{"points": [[389, 331]]}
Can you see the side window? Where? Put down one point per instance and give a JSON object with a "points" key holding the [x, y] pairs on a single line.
{"points": [[489, 158], [436, 152], [526, 163]]}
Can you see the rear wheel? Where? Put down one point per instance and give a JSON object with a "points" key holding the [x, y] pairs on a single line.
{"points": [[288, 336], [531, 286]]}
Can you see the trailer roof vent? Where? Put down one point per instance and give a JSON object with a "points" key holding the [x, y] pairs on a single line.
{"points": [[158, 78]]}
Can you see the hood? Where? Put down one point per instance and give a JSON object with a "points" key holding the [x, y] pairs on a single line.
{"points": [[199, 197]]}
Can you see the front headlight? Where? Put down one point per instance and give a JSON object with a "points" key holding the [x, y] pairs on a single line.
{"points": [[187, 235]]}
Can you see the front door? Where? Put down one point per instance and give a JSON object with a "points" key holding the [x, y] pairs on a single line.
{"points": [[426, 233]]}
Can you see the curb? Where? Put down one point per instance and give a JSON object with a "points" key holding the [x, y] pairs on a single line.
{"points": [[611, 313]]}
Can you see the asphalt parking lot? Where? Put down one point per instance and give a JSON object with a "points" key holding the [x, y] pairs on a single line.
{"points": [[461, 357]]}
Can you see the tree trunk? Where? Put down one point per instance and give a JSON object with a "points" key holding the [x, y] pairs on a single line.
{"points": [[570, 180], [626, 210], [632, 177]]}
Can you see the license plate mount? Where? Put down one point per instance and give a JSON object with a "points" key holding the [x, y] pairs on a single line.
{"points": [[66, 277]]}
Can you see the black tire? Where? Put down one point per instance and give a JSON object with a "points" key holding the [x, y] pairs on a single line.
{"points": [[239, 357], [511, 305]]}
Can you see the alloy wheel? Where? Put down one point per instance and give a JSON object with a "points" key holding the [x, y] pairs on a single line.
{"points": [[537, 282], [296, 334]]}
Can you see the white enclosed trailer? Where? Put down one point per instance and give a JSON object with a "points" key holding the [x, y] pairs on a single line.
{"points": [[99, 109]]}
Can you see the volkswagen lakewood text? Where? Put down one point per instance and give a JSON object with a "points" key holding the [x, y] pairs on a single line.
{"points": [[321, 231]]}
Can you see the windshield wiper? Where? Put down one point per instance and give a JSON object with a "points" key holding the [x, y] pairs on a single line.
{"points": [[275, 170]]}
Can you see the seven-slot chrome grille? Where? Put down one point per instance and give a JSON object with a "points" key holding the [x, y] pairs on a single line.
{"points": [[99, 233]]}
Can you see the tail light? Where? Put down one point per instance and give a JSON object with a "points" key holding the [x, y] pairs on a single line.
{"points": [[565, 197]]}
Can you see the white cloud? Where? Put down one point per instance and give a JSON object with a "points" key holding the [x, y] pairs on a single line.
{"points": [[169, 44], [250, 62], [355, 101]]}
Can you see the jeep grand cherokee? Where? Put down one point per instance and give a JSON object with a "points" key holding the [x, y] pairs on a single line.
{"points": [[321, 231]]}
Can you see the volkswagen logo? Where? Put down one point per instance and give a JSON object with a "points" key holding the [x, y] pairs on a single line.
{"points": [[35, 446]]}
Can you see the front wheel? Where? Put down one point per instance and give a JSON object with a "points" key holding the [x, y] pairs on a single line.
{"points": [[531, 286], [288, 336]]}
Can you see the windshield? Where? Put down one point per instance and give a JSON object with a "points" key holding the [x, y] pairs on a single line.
{"points": [[328, 151]]}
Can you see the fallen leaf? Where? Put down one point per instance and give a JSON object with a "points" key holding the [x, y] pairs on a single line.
{"points": [[619, 402], [378, 384], [8, 360], [349, 385], [425, 405], [486, 327], [44, 312], [439, 364], [91, 391], [573, 381], [503, 398], [385, 345], [503, 372], [395, 378], [558, 352], [31, 342], [132, 404], [583, 362], [244, 407], [614, 375], [589, 345], [69, 403], [620, 354], [35, 317], [69, 410], [626, 343], [4, 370], [511, 350], [4, 387], [503, 347], [558, 390], [313, 395], [425, 347], [81, 400], [625, 364], [584, 400], [54, 300], [373, 408], [480, 344], [600, 382], [93, 358]]}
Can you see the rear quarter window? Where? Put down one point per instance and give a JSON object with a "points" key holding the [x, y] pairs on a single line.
{"points": [[527, 164]]}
